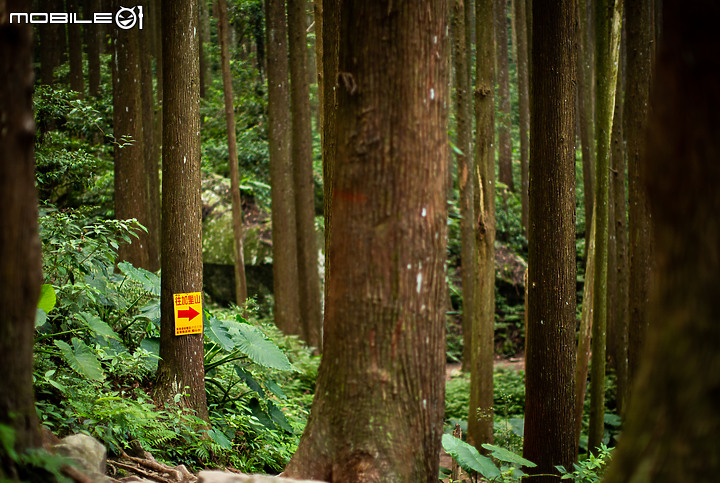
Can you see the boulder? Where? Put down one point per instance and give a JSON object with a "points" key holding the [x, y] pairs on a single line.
{"points": [[88, 452], [227, 477]]}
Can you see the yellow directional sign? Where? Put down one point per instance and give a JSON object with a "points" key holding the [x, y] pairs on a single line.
{"points": [[188, 313]]}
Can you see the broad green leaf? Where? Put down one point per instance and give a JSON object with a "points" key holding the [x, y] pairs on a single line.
{"points": [[153, 347], [150, 281], [468, 457], [47, 299], [40, 318], [81, 359], [220, 438], [218, 331], [260, 350], [249, 380], [98, 326], [279, 417], [507, 456]]}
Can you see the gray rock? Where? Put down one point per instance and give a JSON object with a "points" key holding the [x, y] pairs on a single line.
{"points": [[227, 477], [90, 454]]}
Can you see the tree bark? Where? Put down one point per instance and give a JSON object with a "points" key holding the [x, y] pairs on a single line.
{"points": [[480, 417], [524, 104], [377, 413], [586, 110], [75, 46], [131, 191], [284, 233], [618, 311], [550, 331], [673, 420], [20, 258], [151, 147], [608, 15], [238, 235], [503, 81], [304, 184], [93, 40], [640, 245], [465, 170], [181, 369]]}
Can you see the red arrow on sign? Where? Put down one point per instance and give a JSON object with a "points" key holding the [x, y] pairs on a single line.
{"points": [[189, 314]]}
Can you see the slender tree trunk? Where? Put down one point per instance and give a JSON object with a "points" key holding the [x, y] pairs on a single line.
{"points": [[673, 419], [131, 191], [204, 31], [584, 337], [503, 80], [640, 245], [304, 184], [93, 40], [181, 369], [608, 15], [238, 235], [550, 332], [524, 104], [285, 269], [151, 148], [75, 45], [586, 109], [480, 417], [20, 258], [618, 311], [383, 356], [465, 169]]}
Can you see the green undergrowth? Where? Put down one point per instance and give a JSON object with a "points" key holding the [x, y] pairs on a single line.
{"points": [[96, 351]]}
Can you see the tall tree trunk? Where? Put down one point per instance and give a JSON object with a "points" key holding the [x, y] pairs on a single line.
{"points": [[50, 46], [204, 31], [673, 419], [383, 355], [524, 104], [480, 417], [465, 170], [181, 369], [584, 337], [238, 235], [304, 184], [284, 233], [151, 147], [608, 15], [75, 45], [550, 331], [131, 193], [640, 245], [20, 262], [618, 311], [93, 42], [503, 81], [586, 109]]}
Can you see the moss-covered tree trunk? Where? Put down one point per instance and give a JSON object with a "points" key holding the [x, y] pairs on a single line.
{"points": [[465, 170], [480, 415], [673, 419], [503, 92], [521, 41], [640, 245], [304, 184], [550, 332], [181, 369], [20, 262], [285, 269], [237, 222], [586, 108], [378, 408], [608, 15]]}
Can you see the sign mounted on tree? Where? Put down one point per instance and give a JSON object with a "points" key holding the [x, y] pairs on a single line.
{"points": [[188, 313]]}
